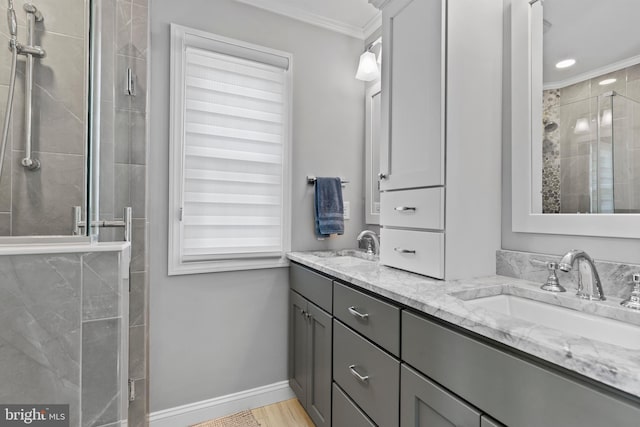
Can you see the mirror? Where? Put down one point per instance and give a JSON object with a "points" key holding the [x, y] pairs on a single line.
{"points": [[590, 107], [597, 126], [372, 153]]}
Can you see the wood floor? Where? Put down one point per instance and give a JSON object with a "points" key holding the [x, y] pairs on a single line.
{"points": [[287, 413]]}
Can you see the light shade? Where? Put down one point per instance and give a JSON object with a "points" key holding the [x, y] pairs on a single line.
{"points": [[368, 67]]}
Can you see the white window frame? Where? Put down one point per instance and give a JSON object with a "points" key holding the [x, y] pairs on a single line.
{"points": [[181, 38]]}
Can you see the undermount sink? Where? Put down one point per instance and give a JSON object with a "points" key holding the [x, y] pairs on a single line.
{"points": [[575, 322]]}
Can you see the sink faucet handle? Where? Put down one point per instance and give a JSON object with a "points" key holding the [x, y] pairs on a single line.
{"points": [[634, 300], [552, 284]]}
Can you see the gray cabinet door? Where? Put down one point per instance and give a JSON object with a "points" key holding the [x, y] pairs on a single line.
{"points": [[298, 365], [425, 404], [319, 358]]}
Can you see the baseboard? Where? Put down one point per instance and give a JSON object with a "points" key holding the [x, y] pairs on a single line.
{"points": [[193, 413]]}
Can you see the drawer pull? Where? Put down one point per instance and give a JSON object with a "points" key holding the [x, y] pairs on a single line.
{"points": [[405, 209], [362, 379], [404, 251], [356, 313]]}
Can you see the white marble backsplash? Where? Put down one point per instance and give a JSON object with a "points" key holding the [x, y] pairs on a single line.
{"points": [[615, 277]]}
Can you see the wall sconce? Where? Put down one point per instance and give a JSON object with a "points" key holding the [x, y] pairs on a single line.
{"points": [[368, 69]]}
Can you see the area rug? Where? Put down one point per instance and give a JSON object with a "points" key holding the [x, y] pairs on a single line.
{"points": [[241, 419]]}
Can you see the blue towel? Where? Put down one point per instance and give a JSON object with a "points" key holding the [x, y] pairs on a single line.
{"points": [[329, 207]]}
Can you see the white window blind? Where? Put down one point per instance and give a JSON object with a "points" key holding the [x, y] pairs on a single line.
{"points": [[233, 162]]}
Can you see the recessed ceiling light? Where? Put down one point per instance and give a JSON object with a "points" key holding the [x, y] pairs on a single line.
{"points": [[607, 82], [565, 63]]}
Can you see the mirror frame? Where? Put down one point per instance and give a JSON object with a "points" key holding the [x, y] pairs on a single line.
{"points": [[526, 140], [371, 216]]}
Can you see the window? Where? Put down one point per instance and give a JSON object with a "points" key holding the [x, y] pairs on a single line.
{"points": [[229, 192]]}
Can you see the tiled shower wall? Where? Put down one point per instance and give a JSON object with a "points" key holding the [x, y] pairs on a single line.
{"points": [[40, 202], [60, 341], [123, 168]]}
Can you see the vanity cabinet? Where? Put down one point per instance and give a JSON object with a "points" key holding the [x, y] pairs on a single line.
{"points": [[441, 136], [310, 344], [383, 364], [510, 388]]}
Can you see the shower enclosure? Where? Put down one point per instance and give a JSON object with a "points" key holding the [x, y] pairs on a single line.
{"points": [[592, 155], [72, 293]]}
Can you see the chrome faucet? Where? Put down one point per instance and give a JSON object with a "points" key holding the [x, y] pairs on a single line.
{"points": [[586, 269], [373, 247]]}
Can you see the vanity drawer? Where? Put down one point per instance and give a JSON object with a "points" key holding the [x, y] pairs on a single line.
{"points": [[377, 388], [421, 208], [313, 286], [345, 413], [373, 318], [421, 252]]}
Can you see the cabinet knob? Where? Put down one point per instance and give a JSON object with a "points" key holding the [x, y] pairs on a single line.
{"points": [[382, 176], [361, 378]]}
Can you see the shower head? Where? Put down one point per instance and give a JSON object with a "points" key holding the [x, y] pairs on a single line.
{"points": [[550, 126], [12, 20]]}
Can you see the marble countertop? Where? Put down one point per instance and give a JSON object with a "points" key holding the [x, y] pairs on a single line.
{"points": [[607, 363]]}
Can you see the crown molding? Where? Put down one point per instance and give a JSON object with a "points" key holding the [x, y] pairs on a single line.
{"points": [[379, 3], [372, 26], [312, 18]]}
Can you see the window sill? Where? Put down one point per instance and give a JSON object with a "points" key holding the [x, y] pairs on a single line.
{"points": [[199, 267]]}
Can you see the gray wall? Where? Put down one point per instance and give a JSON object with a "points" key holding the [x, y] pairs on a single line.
{"points": [[622, 250], [216, 334]]}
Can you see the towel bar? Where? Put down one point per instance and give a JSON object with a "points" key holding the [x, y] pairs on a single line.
{"points": [[312, 180]]}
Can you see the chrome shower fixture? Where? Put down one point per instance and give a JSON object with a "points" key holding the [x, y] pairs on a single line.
{"points": [[12, 20], [30, 51]]}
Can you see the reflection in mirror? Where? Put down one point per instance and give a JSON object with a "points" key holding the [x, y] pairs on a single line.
{"points": [[372, 154], [591, 107]]}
